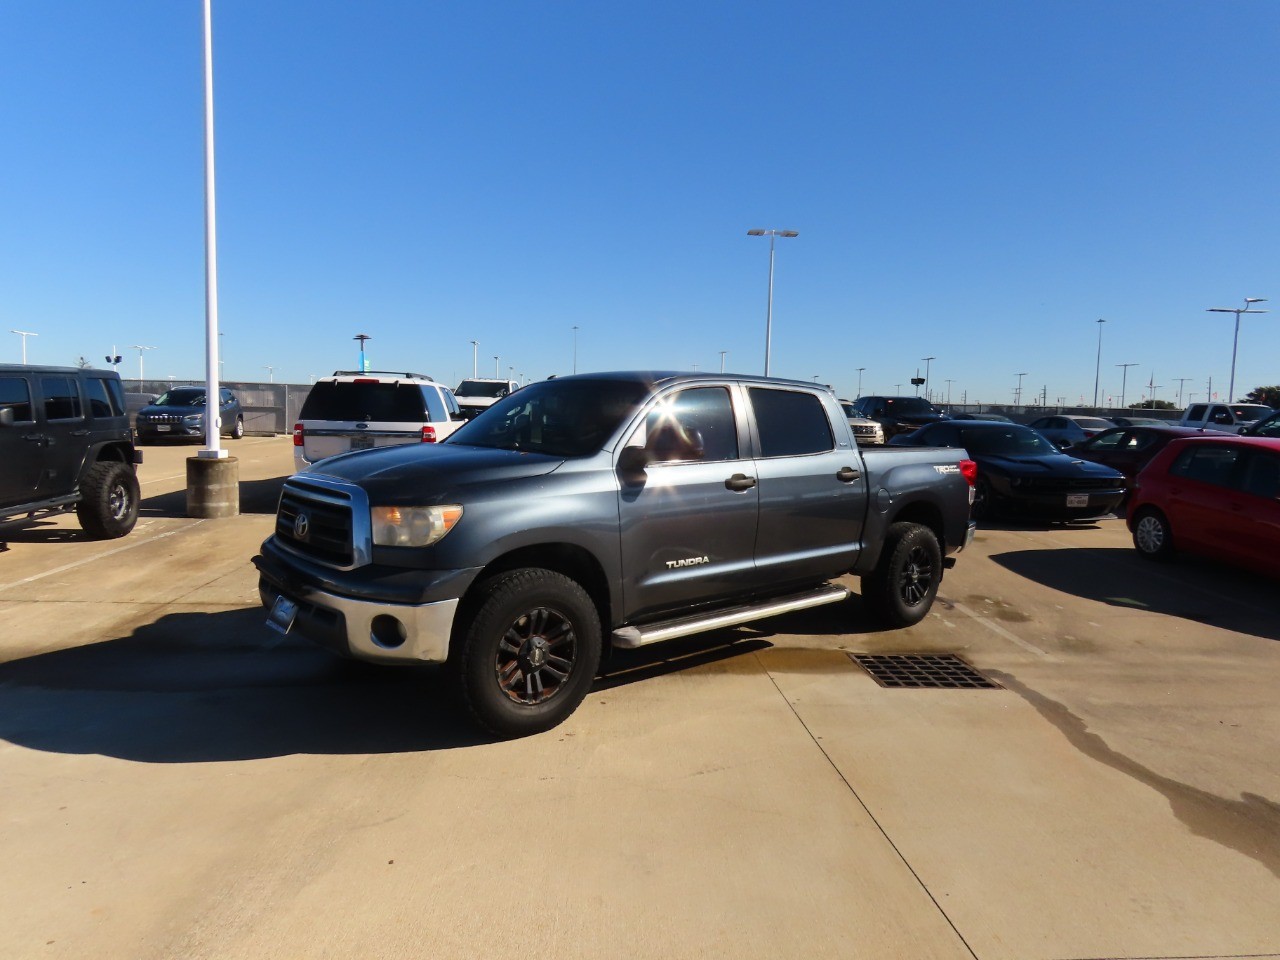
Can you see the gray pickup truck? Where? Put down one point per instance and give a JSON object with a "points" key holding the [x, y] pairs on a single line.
{"points": [[605, 510]]}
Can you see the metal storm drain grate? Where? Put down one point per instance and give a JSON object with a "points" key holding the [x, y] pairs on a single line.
{"points": [[944, 671]]}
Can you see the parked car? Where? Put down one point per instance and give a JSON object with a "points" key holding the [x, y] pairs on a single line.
{"points": [[360, 410], [1063, 430], [1129, 449], [897, 415], [605, 510], [477, 394], [1021, 473], [1142, 422], [1224, 417], [867, 432], [178, 414], [995, 417], [1266, 427], [1213, 495], [66, 444]]}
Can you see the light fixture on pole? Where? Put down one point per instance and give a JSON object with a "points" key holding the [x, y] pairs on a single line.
{"points": [[1123, 376], [114, 358], [495, 368], [475, 346], [575, 348], [141, 350], [1231, 387], [24, 334], [1097, 367], [364, 363], [927, 361], [768, 317]]}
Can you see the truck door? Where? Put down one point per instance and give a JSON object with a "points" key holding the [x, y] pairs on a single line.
{"points": [[20, 443], [688, 518], [813, 497]]}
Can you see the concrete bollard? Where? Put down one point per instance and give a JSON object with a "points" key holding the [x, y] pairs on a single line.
{"points": [[213, 488]]}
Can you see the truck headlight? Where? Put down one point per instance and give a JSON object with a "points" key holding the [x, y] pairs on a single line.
{"points": [[412, 526]]}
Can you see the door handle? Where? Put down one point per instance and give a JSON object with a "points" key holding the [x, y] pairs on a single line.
{"points": [[847, 474], [38, 439], [79, 433], [740, 481]]}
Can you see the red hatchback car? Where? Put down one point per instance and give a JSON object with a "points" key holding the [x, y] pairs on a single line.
{"points": [[1218, 496]]}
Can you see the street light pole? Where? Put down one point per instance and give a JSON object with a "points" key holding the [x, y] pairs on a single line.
{"points": [[948, 383], [1097, 368], [271, 372], [860, 369], [475, 345], [495, 368], [362, 337], [1017, 402], [141, 350], [927, 361], [575, 348], [24, 334], [768, 318], [1181, 381], [1231, 388], [722, 356], [1123, 375]]}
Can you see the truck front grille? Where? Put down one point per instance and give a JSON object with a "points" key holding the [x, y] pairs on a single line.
{"points": [[324, 520]]}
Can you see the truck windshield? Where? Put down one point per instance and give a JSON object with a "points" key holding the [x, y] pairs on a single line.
{"points": [[562, 418], [911, 406]]}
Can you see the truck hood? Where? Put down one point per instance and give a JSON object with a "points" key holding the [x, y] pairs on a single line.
{"points": [[429, 472]]}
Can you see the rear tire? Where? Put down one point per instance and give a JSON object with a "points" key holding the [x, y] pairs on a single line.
{"points": [[530, 652], [237, 432], [108, 506], [900, 591], [1152, 536]]}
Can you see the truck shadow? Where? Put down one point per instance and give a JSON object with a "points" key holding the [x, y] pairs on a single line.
{"points": [[206, 687], [1189, 588]]}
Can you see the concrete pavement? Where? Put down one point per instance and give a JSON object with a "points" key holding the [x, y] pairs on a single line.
{"points": [[181, 782]]}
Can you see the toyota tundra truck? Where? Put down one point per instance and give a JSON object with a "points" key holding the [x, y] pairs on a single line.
{"points": [[602, 511]]}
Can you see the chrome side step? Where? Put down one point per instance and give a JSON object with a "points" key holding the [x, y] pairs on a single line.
{"points": [[631, 637]]}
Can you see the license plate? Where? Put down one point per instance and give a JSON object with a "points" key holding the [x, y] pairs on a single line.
{"points": [[282, 613], [1077, 499], [362, 443], [162, 428]]}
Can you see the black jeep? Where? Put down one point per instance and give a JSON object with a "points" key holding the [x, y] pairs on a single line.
{"points": [[65, 442]]}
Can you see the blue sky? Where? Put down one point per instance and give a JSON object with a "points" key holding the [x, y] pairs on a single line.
{"points": [[978, 182]]}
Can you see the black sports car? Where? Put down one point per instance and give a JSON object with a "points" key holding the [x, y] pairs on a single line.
{"points": [[179, 413], [1022, 473]]}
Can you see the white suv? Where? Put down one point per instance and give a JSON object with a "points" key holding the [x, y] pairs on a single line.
{"points": [[352, 410], [476, 394]]}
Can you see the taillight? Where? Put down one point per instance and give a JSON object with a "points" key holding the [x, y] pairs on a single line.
{"points": [[969, 470], [297, 434], [428, 434]]}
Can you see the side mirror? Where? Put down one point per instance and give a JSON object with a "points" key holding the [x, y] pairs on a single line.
{"points": [[6, 416], [631, 464]]}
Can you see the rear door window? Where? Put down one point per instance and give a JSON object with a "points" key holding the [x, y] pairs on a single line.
{"points": [[1207, 464], [435, 406], [61, 398], [790, 423]]}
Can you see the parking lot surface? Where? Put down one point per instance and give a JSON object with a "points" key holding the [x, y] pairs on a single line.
{"points": [[181, 782]]}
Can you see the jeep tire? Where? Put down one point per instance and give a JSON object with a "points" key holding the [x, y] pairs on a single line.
{"points": [[108, 505]]}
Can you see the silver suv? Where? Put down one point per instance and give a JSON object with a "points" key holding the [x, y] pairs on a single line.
{"points": [[354, 410]]}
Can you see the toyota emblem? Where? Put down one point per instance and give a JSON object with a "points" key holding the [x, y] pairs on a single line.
{"points": [[302, 526]]}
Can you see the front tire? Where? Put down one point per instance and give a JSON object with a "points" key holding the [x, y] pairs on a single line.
{"points": [[237, 432], [1152, 537], [529, 653], [900, 591], [108, 506]]}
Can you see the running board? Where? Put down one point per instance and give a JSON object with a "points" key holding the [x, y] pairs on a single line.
{"points": [[631, 637]]}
